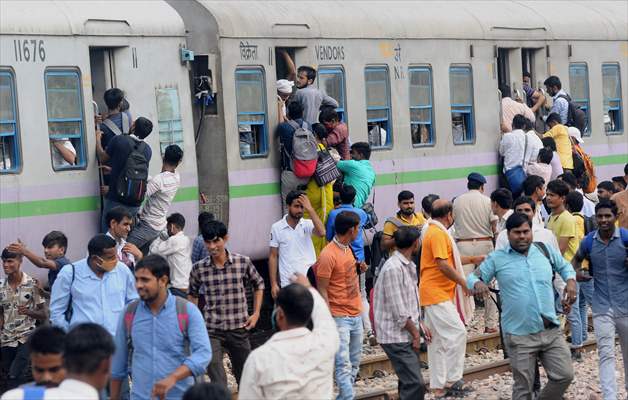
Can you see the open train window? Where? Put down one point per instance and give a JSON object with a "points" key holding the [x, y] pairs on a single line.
{"points": [[461, 96], [251, 109], [9, 129], [579, 90], [611, 89], [421, 106], [169, 116], [378, 115], [331, 80], [66, 128]]}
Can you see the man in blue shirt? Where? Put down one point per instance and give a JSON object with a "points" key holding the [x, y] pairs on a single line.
{"points": [[165, 354], [529, 323], [605, 249]]}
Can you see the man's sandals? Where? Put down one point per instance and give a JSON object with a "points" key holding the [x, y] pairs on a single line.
{"points": [[457, 389]]}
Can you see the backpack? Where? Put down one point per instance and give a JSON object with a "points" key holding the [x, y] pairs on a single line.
{"points": [[575, 115], [326, 170], [371, 220], [582, 162], [131, 184], [126, 125], [182, 317], [589, 223], [304, 151], [379, 255]]}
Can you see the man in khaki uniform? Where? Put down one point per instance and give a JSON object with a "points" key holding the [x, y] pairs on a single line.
{"points": [[474, 225]]}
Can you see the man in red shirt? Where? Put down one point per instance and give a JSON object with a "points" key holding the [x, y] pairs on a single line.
{"points": [[338, 134]]}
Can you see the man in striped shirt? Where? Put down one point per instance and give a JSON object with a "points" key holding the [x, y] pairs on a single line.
{"points": [[397, 318]]}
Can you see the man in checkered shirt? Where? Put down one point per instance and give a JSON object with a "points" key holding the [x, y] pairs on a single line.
{"points": [[222, 279]]}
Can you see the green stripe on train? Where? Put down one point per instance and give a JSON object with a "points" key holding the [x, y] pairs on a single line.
{"points": [[71, 205]]}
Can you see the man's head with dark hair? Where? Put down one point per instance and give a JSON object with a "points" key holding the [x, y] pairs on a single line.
{"points": [[553, 119], [426, 204], [360, 151], [501, 198], [505, 89], [407, 237], [619, 183], [305, 76], [606, 216], [549, 143], [11, 262], [294, 110], [347, 223], [605, 190], [215, 236], [113, 98], [119, 220], [347, 194], [204, 218], [294, 201], [206, 391], [574, 202], [46, 346], [152, 274], [570, 179], [175, 223], [173, 155], [102, 254], [295, 304], [545, 156], [88, 351], [329, 118], [519, 122], [519, 228], [319, 131], [142, 127], [529, 126], [405, 201], [552, 85], [534, 186], [556, 193], [55, 245], [474, 185], [525, 205]]}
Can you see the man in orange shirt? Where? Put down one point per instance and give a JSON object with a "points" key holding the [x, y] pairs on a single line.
{"points": [[437, 290], [337, 282]]}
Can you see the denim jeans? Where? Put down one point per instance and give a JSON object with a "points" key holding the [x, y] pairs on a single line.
{"points": [[586, 296], [574, 321], [348, 356], [606, 325]]}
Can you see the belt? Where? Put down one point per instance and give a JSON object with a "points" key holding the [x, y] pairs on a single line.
{"points": [[480, 239]]}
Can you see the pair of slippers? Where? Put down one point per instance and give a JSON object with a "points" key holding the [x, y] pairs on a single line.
{"points": [[457, 389]]}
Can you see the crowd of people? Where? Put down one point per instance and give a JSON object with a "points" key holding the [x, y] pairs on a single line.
{"points": [[148, 313]]}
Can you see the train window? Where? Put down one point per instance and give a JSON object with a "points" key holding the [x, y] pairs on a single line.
{"points": [[579, 88], [461, 93], [378, 116], [611, 89], [421, 107], [65, 119], [169, 115], [331, 80], [9, 135], [251, 101]]}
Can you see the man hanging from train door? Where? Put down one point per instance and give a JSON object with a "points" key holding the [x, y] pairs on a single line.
{"points": [[310, 97]]}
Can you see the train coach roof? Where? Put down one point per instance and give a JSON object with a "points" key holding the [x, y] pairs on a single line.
{"points": [[540, 20], [87, 17]]}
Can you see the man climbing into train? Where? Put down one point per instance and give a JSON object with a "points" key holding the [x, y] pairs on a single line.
{"points": [[310, 97]]}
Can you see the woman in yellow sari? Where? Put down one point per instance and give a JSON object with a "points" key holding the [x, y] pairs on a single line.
{"points": [[321, 197]]}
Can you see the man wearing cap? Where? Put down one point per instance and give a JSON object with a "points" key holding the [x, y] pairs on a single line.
{"points": [[310, 97], [474, 226], [284, 90]]}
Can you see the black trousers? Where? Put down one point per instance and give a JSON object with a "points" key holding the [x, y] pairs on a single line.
{"points": [[405, 361], [237, 344], [14, 365]]}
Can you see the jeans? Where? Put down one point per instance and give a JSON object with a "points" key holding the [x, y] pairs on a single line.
{"points": [[574, 321], [585, 297], [606, 325], [348, 356], [142, 236], [107, 206], [14, 365], [366, 321], [237, 344], [405, 361]]}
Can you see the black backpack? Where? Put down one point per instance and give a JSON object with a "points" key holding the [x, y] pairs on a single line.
{"points": [[378, 256], [576, 117], [131, 183]]}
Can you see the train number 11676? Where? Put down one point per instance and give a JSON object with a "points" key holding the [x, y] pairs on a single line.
{"points": [[29, 50]]}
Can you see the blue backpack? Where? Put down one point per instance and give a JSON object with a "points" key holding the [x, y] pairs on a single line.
{"points": [[587, 242]]}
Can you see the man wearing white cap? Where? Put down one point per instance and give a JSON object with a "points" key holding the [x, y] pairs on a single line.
{"points": [[284, 91]]}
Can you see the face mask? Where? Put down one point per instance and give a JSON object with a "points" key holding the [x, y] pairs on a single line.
{"points": [[109, 264]]}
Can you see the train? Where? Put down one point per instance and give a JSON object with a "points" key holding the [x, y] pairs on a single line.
{"points": [[426, 73]]}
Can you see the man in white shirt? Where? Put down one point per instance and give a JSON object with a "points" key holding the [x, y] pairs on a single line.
{"points": [[296, 362], [176, 249], [501, 205], [534, 187], [87, 358], [512, 147], [160, 192], [63, 153], [119, 221], [291, 247]]}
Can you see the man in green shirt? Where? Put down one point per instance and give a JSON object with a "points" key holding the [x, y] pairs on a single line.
{"points": [[358, 172]]}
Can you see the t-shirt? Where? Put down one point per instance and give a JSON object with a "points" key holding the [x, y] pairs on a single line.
{"points": [[563, 144], [339, 266], [52, 274], [565, 225], [621, 199], [57, 159], [118, 151], [295, 247], [434, 286], [17, 328], [160, 192], [361, 176]]}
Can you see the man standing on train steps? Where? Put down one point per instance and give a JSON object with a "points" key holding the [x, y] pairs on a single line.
{"points": [[531, 329], [358, 172], [310, 97]]}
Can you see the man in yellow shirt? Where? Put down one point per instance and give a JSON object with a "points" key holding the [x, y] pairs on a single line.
{"points": [[560, 134], [405, 216]]}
